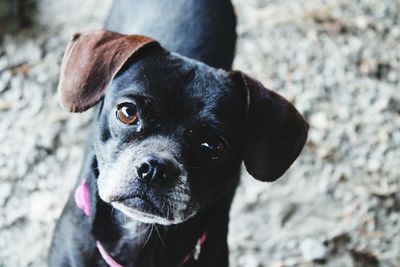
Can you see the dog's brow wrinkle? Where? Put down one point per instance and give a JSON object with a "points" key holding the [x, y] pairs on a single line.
{"points": [[141, 96]]}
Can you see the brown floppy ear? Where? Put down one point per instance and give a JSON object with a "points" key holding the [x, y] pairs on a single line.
{"points": [[275, 131], [90, 62]]}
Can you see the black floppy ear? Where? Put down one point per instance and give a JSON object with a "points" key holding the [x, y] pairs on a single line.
{"points": [[275, 131]]}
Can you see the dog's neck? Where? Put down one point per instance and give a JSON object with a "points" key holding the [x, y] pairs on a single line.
{"points": [[133, 243]]}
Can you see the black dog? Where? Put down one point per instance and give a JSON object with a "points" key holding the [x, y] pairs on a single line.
{"points": [[169, 137]]}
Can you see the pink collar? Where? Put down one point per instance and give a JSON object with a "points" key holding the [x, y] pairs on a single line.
{"points": [[82, 200]]}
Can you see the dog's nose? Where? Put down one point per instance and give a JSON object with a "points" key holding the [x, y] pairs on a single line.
{"points": [[157, 170]]}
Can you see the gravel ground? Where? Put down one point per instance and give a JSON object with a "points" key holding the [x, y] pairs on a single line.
{"points": [[338, 61]]}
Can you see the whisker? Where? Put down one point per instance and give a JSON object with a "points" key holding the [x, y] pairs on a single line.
{"points": [[159, 235], [148, 238]]}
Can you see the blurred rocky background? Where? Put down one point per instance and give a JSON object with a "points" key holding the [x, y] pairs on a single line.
{"points": [[338, 61]]}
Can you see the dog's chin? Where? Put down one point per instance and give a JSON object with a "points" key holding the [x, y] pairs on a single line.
{"points": [[143, 216]]}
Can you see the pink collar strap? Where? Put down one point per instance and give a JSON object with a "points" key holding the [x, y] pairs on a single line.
{"points": [[82, 197], [195, 253], [106, 256], [82, 200]]}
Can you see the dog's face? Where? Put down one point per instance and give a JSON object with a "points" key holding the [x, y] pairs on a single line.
{"points": [[168, 136], [171, 132]]}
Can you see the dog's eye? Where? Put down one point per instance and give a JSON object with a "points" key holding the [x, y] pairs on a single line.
{"points": [[214, 146], [127, 113]]}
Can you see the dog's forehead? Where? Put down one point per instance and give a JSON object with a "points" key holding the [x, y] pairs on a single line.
{"points": [[180, 84]]}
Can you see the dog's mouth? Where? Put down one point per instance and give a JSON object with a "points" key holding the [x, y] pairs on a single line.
{"points": [[142, 209]]}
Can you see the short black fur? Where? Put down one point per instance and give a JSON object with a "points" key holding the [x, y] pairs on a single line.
{"points": [[160, 183]]}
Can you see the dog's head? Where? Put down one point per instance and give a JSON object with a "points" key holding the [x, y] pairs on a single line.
{"points": [[171, 132]]}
